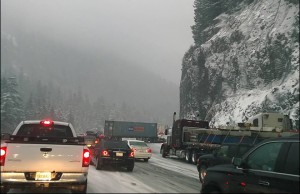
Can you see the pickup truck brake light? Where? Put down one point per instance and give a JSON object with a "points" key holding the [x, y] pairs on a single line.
{"points": [[85, 158], [46, 123], [2, 156], [148, 150]]}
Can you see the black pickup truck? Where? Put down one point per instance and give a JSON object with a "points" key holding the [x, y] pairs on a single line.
{"points": [[222, 155]]}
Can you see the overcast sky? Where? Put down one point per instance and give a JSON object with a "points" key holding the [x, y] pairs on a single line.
{"points": [[150, 33]]}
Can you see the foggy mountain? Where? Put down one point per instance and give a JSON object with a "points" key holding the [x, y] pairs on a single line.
{"points": [[245, 60], [95, 73]]}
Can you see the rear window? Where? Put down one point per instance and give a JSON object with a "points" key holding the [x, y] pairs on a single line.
{"points": [[137, 143], [115, 144], [37, 130], [222, 151]]}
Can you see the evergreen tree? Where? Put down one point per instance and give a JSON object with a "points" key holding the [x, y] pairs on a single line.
{"points": [[205, 13], [11, 105], [29, 109]]}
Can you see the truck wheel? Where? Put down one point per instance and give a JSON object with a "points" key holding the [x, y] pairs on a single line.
{"points": [[163, 152], [202, 173], [194, 157], [146, 159], [188, 157], [82, 188], [98, 165]]}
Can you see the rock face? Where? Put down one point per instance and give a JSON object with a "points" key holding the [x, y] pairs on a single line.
{"points": [[248, 63]]}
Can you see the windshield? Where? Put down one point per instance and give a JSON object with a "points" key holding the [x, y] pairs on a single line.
{"points": [[115, 144]]}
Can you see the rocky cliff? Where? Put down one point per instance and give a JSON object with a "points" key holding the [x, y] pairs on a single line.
{"points": [[246, 61]]}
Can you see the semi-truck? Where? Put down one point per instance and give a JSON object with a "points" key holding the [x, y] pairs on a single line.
{"points": [[190, 139], [128, 129]]}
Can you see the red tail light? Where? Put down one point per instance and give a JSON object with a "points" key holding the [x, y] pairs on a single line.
{"points": [[105, 153], [131, 154], [85, 158], [2, 156], [148, 150]]}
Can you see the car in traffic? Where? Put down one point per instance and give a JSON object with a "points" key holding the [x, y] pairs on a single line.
{"points": [[43, 154], [140, 148], [272, 166], [222, 155], [109, 152]]}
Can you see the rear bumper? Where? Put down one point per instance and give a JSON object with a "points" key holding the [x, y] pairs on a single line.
{"points": [[142, 155], [8, 178], [120, 162]]}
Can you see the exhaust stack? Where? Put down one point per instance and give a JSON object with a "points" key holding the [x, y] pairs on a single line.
{"points": [[174, 117]]}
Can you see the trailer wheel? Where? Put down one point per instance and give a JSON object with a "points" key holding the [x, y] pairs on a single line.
{"points": [[194, 157], [188, 157], [202, 173], [163, 152]]}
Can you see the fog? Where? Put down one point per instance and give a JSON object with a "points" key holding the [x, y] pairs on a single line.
{"points": [[153, 34]]}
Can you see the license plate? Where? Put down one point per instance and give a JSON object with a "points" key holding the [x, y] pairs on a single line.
{"points": [[119, 154], [43, 176]]}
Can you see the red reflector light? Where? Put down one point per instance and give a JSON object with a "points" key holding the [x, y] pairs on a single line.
{"points": [[243, 184], [105, 153], [46, 123]]}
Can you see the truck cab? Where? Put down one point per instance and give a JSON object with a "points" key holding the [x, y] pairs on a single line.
{"points": [[183, 142]]}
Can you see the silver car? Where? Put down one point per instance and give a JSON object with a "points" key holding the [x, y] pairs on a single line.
{"points": [[141, 149]]}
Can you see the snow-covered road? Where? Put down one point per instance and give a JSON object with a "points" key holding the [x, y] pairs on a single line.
{"points": [[158, 175]]}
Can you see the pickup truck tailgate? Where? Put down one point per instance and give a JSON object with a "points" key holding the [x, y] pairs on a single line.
{"points": [[42, 157]]}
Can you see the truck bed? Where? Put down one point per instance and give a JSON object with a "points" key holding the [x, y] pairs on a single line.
{"points": [[28, 157]]}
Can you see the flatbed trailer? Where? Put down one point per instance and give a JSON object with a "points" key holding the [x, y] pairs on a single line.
{"points": [[190, 139]]}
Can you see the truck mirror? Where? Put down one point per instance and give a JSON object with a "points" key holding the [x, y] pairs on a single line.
{"points": [[236, 161]]}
